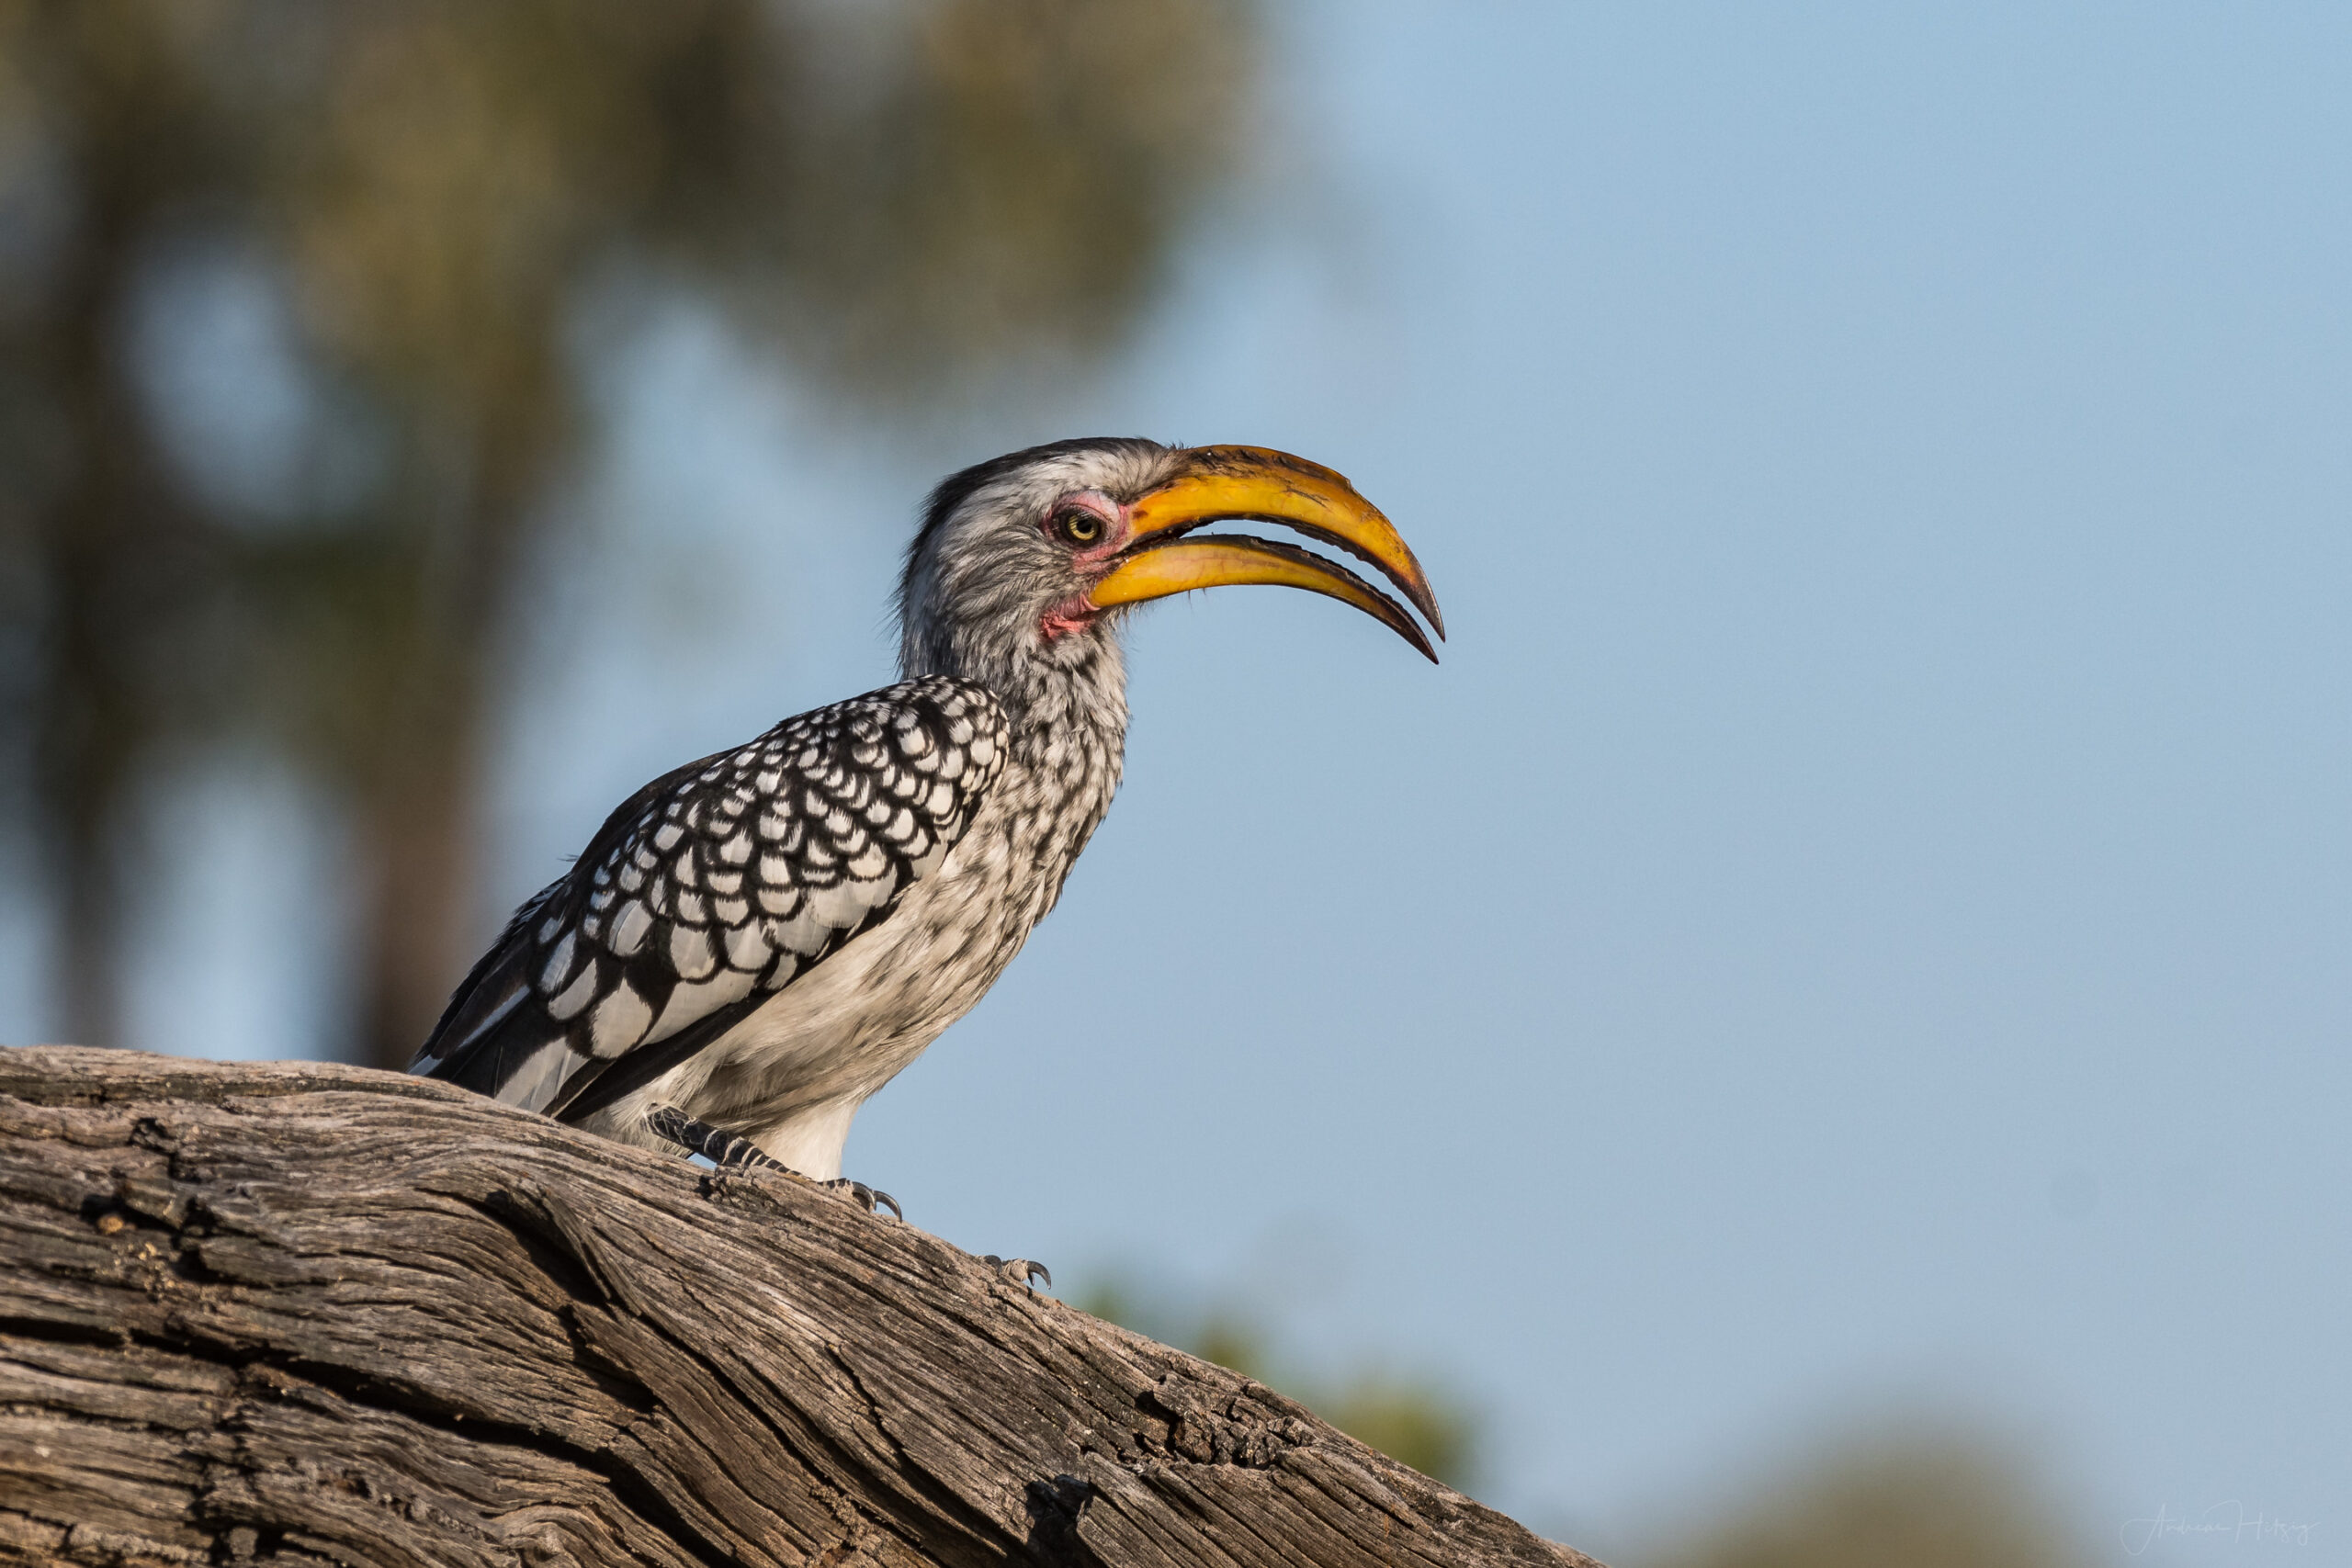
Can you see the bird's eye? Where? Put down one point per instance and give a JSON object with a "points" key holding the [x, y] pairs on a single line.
{"points": [[1078, 526]]}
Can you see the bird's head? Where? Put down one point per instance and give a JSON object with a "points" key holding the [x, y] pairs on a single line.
{"points": [[1026, 562]]}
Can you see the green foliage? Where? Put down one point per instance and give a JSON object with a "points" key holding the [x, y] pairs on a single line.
{"points": [[1415, 1420], [1900, 1495], [1914, 1498]]}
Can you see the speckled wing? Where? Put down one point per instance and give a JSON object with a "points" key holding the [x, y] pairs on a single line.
{"points": [[714, 888]]}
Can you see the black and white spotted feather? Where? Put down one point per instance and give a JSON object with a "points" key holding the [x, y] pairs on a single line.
{"points": [[712, 888]]}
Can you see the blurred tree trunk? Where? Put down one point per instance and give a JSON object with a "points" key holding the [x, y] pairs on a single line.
{"points": [[282, 1315], [417, 821], [414, 764]]}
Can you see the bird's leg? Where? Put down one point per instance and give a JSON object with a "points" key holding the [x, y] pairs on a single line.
{"points": [[714, 1143], [726, 1149]]}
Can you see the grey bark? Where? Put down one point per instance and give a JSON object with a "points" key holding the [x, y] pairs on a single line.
{"points": [[299, 1313]]}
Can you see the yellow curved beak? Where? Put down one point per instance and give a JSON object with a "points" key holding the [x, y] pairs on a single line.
{"points": [[1258, 484]]}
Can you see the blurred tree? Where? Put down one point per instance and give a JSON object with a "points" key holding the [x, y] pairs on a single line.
{"points": [[1920, 1498], [906, 196], [1414, 1420]]}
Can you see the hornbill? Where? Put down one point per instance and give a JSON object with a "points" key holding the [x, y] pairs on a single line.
{"points": [[753, 943]]}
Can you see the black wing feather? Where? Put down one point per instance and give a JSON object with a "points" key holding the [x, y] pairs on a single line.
{"points": [[712, 888]]}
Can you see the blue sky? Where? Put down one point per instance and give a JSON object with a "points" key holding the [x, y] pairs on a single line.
{"points": [[1859, 920]]}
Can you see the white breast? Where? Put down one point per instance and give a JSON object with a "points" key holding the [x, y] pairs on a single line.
{"points": [[791, 1076]]}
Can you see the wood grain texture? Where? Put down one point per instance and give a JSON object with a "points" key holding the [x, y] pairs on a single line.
{"points": [[299, 1314]]}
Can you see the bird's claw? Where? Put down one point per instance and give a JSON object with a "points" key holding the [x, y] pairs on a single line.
{"points": [[1020, 1270], [865, 1197]]}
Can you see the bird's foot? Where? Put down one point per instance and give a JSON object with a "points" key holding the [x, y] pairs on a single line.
{"points": [[859, 1193], [1020, 1270], [729, 1151]]}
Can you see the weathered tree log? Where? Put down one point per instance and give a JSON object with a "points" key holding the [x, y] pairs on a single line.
{"points": [[296, 1314]]}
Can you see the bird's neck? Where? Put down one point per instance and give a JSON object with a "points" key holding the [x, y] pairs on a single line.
{"points": [[1068, 714], [1074, 689]]}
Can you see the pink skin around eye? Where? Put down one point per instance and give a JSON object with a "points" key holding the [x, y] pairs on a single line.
{"points": [[1077, 612]]}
